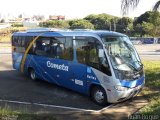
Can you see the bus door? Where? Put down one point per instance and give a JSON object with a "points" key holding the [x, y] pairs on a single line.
{"points": [[87, 56], [78, 80], [43, 60], [58, 58], [66, 72]]}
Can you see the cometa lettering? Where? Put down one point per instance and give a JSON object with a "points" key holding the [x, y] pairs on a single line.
{"points": [[56, 66]]}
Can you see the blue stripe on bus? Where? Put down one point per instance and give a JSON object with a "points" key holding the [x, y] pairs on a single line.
{"points": [[134, 83]]}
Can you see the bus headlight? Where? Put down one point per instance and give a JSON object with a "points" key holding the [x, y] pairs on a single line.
{"points": [[121, 88]]}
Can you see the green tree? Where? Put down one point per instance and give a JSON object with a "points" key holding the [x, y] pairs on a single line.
{"points": [[142, 18], [152, 27], [109, 22], [100, 21], [55, 24], [148, 28], [124, 25], [138, 30], [137, 23], [81, 24], [114, 24], [148, 24], [17, 25], [127, 4]]}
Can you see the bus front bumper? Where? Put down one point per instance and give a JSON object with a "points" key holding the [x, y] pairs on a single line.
{"points": [[115, 96]]}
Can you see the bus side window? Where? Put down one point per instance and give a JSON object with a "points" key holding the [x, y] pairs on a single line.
{"points": [[14, 39], [23, 39], [58, 45], [87, 52], [28, 41], [62, 48], [67, 53], [90, 52], [104, 65], [19, 44], [81, 47], [42, 46]]}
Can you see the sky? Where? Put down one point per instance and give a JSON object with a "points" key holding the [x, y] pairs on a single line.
{"points": [[70, 8]]}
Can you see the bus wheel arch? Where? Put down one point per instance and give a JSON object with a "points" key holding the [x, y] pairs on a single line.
{"points": [[98, 94], [32, 73]]}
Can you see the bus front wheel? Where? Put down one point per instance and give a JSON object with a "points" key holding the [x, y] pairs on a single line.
{"points": [[98, 95], [32, 74]]}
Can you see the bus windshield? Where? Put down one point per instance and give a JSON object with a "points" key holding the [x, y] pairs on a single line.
{"points": [[123, 55]]}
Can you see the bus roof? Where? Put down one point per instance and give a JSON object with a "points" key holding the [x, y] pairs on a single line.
{"points": [[67, 32]]}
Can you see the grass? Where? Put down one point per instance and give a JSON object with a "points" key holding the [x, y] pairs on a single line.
{"points": [[6, 113], [6, 38], [152, 88], [6, 33]]}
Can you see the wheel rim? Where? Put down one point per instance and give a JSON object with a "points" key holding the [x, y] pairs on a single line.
{"points": [[33, 75], [99, 96]]}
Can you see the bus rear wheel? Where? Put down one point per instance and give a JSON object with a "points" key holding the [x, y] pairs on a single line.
{"points": [[32, 74], [98, 95]]}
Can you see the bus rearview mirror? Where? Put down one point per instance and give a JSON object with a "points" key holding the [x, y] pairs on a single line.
{"points": [[101, 53]]}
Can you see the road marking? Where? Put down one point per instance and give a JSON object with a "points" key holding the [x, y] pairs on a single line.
{"points": [[56, 106], [105, 108]]}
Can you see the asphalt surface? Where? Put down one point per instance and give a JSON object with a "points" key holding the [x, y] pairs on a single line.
{"points": [[15, 86], [18, 87], [149, 51]]}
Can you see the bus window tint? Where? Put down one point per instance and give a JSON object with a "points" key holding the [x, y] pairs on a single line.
{"points": [[68, 49], [28, 41], [87, 51], [62, 47], [18, 43], [55, 47], [42, 46]]}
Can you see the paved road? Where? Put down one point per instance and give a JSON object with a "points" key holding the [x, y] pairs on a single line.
{"points": [[15, 86], [150, 55], [4, 25], [149, 51]]}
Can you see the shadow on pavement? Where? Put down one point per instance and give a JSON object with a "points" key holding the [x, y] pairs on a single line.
{"points": [[18, 87]]}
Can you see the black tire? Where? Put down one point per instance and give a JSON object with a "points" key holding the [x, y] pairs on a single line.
{"points": [[32, 74], [98, 95]]}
